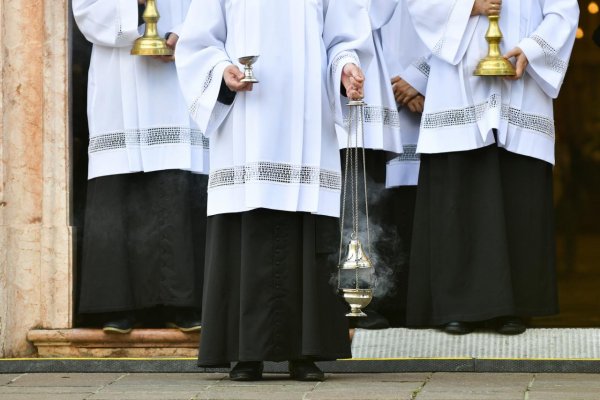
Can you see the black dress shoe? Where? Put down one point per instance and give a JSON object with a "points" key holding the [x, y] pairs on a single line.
{"points": [[185, 319], [458, 328], [122, 323], [247, 371], [510, 326], [305, 370], [373, 320]]}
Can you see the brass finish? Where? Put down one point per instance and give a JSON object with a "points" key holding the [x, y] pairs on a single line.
{"points": [[358, 267], [151, 44], [247, 62], [494, 64]]}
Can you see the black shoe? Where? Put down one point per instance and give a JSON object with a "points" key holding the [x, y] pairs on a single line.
{"points": [[247, 371], [305, 370], [185, 319], [458, 328], [510, 326], [122, 323], [373, 320]]}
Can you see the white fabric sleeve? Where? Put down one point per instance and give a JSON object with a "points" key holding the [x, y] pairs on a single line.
{"points": [[445, 26], [347, 36], [417, 74], [201, 59], [549, 47], [111, 23]]}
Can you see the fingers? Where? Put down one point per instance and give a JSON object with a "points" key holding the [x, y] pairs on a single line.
{"points": [[233, 79], [172, 40], [396, 79]]}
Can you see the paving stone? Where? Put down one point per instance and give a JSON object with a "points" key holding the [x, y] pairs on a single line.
{"points": [[29, 396], [385, 377], [54, 390], [6, 378], [245, 394], [64, 380], [145, 394], [172, 379], [470, 396], [352, 393], [550, 395]]}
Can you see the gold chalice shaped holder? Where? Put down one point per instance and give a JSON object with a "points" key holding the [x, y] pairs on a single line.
{"points": [[248, 62], [494, 64], [151, 44], [356, 273]]}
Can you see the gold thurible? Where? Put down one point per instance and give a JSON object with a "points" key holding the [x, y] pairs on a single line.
{"points": [[494, 64], [151, 44]]}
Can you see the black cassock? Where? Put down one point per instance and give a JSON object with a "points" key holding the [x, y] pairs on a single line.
{"points": [[269, 293], [143, 242], [483, 242]]}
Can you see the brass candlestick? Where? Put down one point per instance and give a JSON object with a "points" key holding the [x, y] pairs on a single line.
{"points": [[151, 44], [494, 64]]}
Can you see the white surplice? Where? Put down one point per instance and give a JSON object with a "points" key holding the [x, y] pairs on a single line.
{"points": [[407, 57], [275, 147], [380, 117], [462, 110], [138, 120]]}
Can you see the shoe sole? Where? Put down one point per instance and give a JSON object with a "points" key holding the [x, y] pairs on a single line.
{"points": [[246, 378], [116, 330], [186, 330]]}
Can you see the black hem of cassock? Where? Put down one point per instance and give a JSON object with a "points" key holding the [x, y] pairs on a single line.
{"points": [[143, 242], [483, 239], [268, 293]]}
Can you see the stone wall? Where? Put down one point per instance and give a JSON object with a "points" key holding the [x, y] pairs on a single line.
{"points": [[35, 233]]}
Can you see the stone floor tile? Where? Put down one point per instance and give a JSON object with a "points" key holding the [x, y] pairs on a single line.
{"points": [[53, 390], [246, 394], [60, 380], [145, 394], [550, 395], [385, 377], [357, 394], [450, 395], [6, 378], [174, 379], [29, 396]]}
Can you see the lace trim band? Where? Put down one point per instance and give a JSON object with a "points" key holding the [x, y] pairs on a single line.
{"points": [[265, 171], [473, 114], [378, 115], [146, 138], [551, 55]]}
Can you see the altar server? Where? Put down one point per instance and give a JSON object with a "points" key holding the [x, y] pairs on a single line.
{"points": [[407, 60], [483, 244], [146, 203], [274, 187]]}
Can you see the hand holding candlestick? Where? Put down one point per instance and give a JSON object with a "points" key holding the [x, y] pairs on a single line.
{"points": [[494, 64], [151, 44]]}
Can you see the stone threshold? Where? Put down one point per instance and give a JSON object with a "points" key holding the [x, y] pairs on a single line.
{"points": [[96, 343]]}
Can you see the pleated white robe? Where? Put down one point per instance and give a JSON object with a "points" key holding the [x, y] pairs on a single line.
{"points": [[137, 116], [462, 110], [274, 147], [407, 57], [381, 124]]}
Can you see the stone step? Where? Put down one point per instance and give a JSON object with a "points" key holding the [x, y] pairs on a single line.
{"points": [[95, 343]]}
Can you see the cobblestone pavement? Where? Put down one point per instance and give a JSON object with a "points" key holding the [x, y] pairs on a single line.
{"points": [[398, 386]]}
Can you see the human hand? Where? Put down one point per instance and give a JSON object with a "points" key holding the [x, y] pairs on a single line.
{"points": [[171, 43], [417, 104], [233, 76], [142, 2], [403, 91], [486, 7], [521, 62], [353, 80]]}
